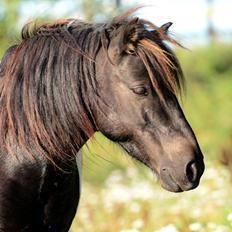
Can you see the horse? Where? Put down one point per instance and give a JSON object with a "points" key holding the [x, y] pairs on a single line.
{"points": [[64, 81]]}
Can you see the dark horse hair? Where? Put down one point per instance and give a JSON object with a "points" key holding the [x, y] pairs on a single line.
{"points": [[47, 80]]}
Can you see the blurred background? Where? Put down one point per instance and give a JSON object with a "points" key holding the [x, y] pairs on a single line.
{"points": [[118, 194]]}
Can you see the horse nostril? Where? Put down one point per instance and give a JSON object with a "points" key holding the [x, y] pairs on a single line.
{"points": [[191, 171], [164, 169]]}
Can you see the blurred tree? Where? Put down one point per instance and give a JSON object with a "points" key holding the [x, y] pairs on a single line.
{"points": [[211, 29], [9, 16], [96, 10], [118, 3]]}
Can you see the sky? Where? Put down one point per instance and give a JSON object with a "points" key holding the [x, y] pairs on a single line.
{"points": [[189, 17]]}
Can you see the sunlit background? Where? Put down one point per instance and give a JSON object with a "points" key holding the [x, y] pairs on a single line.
{"points": [[118, 194]]}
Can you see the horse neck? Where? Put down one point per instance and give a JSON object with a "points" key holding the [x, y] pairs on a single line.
{"points": [[52, 105]]}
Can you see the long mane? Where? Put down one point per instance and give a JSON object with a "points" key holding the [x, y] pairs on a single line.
{"points": [[48, 83]]}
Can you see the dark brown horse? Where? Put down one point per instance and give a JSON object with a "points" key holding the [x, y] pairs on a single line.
{"points": [[65, 81]]}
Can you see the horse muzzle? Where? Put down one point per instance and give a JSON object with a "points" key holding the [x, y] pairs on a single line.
{"points": [[182, 177]]}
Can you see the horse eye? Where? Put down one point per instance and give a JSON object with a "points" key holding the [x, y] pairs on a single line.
{"points": [[140, 91]]}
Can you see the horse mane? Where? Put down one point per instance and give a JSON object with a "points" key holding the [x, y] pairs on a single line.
{"points": [[48, 84]]}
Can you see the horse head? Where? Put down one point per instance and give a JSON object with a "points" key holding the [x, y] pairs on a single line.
{"points": [[139, 78]]}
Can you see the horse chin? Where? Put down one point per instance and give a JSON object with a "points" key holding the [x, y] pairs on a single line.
{"points": [[168, 183], [171, 187]]}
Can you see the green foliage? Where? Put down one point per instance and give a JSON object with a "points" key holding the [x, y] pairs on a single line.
{"points": [[208, 104], [203, 63], [98, 10], [9, 16]]}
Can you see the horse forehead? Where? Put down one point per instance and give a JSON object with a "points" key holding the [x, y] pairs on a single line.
{"points": [[132, 64]]}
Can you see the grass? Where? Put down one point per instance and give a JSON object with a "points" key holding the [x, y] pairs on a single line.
{"points": [[129, 201]]}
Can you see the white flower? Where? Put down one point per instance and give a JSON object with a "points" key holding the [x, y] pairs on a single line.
{"points": [[211, 225], [196, 212], [138, 223], [168, 228], [221, 228], [132, 172], [129, 230], [195, 226], [229, 217]]}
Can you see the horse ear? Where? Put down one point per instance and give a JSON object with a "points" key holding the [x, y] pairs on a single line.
{"points": [[165, 27], [125, 39]]}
